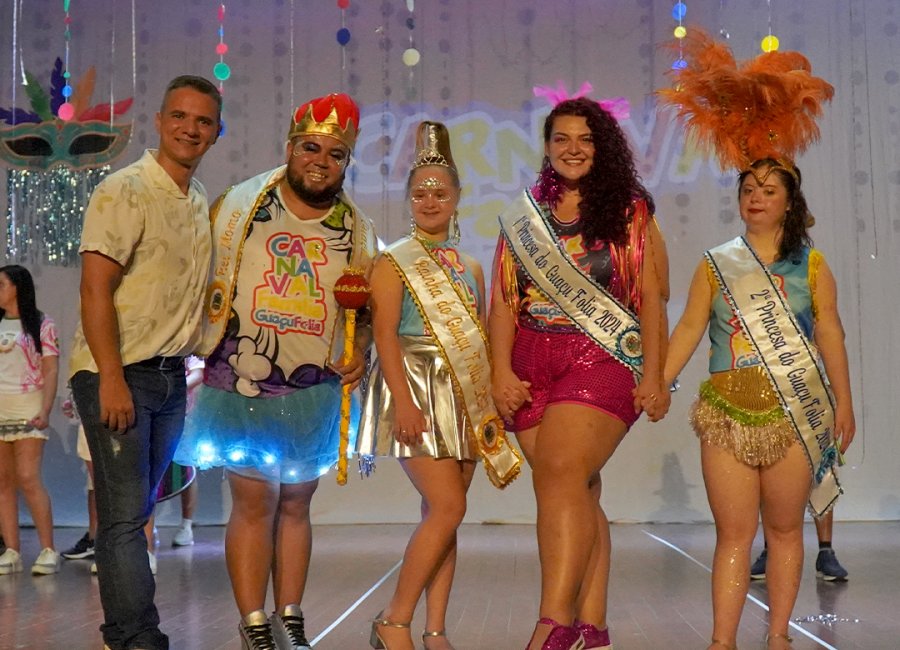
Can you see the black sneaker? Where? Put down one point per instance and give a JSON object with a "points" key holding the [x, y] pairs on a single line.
{"points": [[287, 628], [83, 549], [828, 568], [256, 632], [758, 570]]}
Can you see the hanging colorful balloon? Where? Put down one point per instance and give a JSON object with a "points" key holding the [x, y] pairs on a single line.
{"points": [[770, 42], [221, 70], [411, 56], [679, 11]]}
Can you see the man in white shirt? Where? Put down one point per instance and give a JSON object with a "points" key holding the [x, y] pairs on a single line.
{"points": [[145, 252]]}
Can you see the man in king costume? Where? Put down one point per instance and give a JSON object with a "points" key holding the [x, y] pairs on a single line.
{"points": [[269, 408]]}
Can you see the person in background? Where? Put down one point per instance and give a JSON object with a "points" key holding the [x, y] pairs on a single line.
{"points": [[827, 566], [29, 369]]}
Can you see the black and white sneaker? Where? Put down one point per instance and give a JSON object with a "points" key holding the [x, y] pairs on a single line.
{"points": [[256, 632], [288, 629], [83, 549]]}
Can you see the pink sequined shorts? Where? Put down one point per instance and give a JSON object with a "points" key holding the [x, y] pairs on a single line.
{"points": [[566, 367]]}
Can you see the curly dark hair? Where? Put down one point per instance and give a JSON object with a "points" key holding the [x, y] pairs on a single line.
{"points": [[612, 183], [28, 312], [797, 218]]}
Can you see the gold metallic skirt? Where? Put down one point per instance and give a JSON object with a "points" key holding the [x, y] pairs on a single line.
{"points": [[738, 410], [432, 390]]}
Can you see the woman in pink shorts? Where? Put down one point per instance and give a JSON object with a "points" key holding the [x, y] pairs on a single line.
{"points": [[578, 306]]}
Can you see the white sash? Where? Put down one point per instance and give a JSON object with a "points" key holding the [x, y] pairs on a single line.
{"points": [[463, 344], [589, 305], [769, 324], [231, 219]]}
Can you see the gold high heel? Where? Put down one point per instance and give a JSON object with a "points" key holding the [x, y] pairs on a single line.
{"points": [[430, 635], [375, 639], [772, 637]]}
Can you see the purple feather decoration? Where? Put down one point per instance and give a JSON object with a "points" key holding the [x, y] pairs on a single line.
{"points": [[57, 83], [18, 116]]}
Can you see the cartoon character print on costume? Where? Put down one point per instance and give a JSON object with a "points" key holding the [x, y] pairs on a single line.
{"points": [[282, 315], [451, 260], [595, 261], [743, 353]]}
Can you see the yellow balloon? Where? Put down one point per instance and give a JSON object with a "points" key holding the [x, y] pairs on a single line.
{"points": [[411, 57], [769, 43], [680, 32]]}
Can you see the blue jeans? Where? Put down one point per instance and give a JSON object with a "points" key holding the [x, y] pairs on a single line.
{"points": [[127, 468]]}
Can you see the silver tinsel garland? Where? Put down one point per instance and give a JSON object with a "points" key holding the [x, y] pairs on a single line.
{"points": [[45, 211]]}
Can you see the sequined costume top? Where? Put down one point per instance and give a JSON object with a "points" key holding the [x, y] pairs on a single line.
{"points": [[796, 277], [614, 267]]}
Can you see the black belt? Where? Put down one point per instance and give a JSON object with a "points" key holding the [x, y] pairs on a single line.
{"points": [[161, 363]]}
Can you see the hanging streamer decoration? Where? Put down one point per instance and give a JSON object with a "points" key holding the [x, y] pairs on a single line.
{"points": [[343, 34], [411, 56], [679, 11], [770, 42], [221, 70], [56, 154]]}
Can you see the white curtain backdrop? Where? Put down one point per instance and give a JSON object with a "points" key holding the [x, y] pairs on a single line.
{"points": [[480, 60]]}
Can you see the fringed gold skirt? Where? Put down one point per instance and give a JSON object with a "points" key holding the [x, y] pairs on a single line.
{"points": [[738, 410]]}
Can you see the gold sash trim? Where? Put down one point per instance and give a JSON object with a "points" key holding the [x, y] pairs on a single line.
{"points": [[231, 219], [463, 343], [788, 358], [589, 305]]}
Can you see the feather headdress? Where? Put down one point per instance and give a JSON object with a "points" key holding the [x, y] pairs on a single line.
{"points": [[763, 108]]}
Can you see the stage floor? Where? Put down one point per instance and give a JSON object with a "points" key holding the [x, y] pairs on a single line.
{"points": [[659, 591]]}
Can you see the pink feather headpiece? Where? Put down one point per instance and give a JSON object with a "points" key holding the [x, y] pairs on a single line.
{"points": [[618, 107]]}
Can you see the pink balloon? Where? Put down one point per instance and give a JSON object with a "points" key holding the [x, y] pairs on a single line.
{"points": [[66, 112], [221, 49], [343, 4]]}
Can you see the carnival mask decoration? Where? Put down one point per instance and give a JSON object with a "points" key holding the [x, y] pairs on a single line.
{"points": [[55, 160], [39, 139]]}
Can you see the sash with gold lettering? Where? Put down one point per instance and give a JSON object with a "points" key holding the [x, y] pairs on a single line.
{"points": [[788, 357], [589, 305], [463, 344], [231, 218]]}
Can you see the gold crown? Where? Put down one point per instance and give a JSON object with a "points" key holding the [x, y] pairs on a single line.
{"points": [[340, 109]]}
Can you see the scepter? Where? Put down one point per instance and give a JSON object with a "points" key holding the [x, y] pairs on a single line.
{"points": [[351, 292]]}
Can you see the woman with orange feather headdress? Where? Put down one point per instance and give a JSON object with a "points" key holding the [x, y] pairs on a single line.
{"points": [[771, 427]]}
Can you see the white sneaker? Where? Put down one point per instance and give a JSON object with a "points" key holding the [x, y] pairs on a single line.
{"points": [[184, 536], [46, 563], [10, 562], [152, 559]]}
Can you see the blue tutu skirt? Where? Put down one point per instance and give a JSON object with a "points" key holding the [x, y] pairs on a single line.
{"points": [[291, 438]]}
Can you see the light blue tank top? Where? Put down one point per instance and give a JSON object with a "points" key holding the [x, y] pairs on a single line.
{"points": [[730, 349], [411, 323]]}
